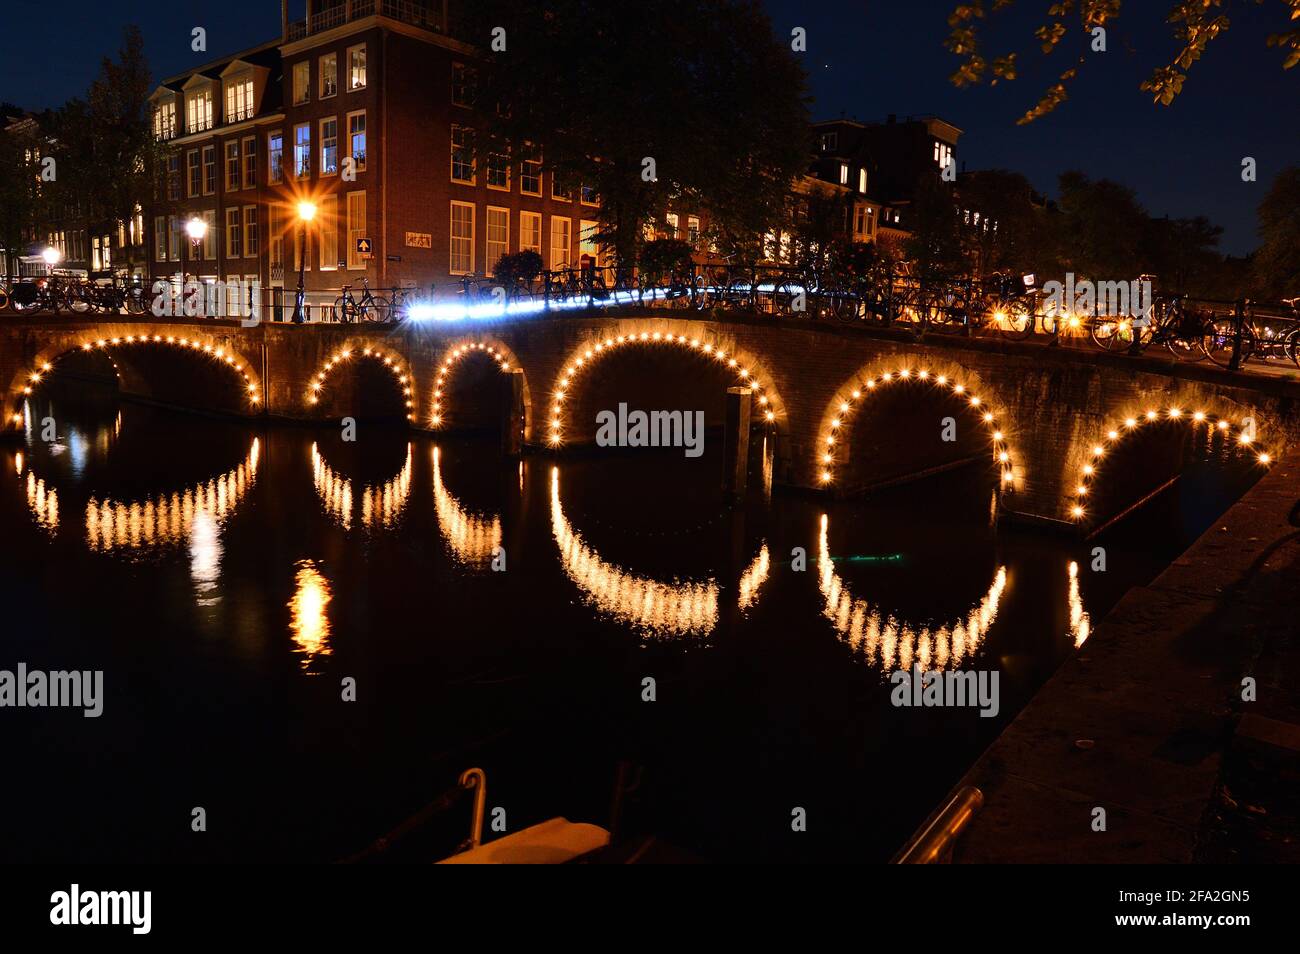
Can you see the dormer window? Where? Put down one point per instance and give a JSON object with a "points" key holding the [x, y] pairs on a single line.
{"points": [[198, 110], [239, 99], [844, 173], [862, 181], [829, 142], [164, 120]]}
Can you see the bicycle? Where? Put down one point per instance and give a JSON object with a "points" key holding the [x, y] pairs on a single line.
{"points": [[370, 307]]}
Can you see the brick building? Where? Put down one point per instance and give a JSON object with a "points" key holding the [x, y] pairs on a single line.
{"points": [[362, 108]]}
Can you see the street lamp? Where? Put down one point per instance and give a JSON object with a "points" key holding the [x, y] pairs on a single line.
{"points": [[51, 255], [197, 229], [306, 212]]}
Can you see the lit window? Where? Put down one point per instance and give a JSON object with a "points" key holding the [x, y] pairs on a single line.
{"points": [[844, 173], [301, 82], [302, 151], [329, 146], [530, 232], [862, 181], [356, 228], [275, 155], [327, 218], [357, 140], [357, 67], [329, 75], [462, 238], [498, 237], [693, 231], [672, 221], [198, 111], [239, 99], [561, 232]]}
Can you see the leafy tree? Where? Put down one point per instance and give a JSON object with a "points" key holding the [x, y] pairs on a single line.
{"points": [[937, 244], [663, 258], [516, 267], [1184, 254], [1024, 240], [700, 88], [1101, 228], [818, 218], [1277, 263], [18, 195], [1195, 24]]}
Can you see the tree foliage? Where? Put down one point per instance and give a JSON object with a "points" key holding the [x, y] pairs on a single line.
{"points": [[700, 88], [1194, 23], [1277, 263]]}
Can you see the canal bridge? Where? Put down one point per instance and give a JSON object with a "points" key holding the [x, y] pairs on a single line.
{"points": [[1071, 437]]}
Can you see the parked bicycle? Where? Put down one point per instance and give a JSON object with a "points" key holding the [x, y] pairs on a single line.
{"points": [[369, 307]]}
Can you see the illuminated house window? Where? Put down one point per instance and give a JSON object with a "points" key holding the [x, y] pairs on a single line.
{"points": [[329, 75], [462, 238], [862, 181], [561, 232], [357, 140], [357, 67], [530, 232], [164, 120], [844, 173], [275, 155], [942, 154], [239, 99], [693, 231], [329, 233], [301, 82], [498, 237], [302, 151], [329, 146], [671, 222], [356, 228], [829, 142], [198, 111]]}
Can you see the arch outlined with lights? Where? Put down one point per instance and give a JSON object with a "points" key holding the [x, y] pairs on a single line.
{"points": [[899, 645], [676, 609], [26, 382], [381, 504], [1076, 499], [504, 358], [749, 372], [391, 360], [881, 374]]}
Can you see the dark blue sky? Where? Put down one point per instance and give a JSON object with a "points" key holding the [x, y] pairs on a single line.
{"points": [[869, 59]]}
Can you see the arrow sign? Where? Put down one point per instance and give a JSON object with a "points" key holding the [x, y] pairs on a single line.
{"points": [[363, 247]]}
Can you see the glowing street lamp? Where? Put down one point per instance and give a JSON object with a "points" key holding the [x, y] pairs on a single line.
{"points": [[197, 230], [52, 256], [306, 212]]}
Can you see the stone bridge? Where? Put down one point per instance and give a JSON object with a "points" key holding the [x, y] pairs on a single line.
{"points": [[1071, 436]]}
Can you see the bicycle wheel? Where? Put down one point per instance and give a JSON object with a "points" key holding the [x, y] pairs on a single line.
{"points": [[135, 300], [1012, 318], [1219, 336], [1293, 346], [376, 309], [343, 309]]}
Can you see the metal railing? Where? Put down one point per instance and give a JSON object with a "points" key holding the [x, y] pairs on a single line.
{"points": [[933, 841], [405, 11]]}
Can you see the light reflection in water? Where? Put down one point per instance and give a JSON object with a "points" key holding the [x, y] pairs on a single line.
{"points": [[170, 519], [689, 608], [753, 578], [894, 643], [205, 556], [44, 503], [1080, 622], [380, 506], [473, 537], [308, 618]]}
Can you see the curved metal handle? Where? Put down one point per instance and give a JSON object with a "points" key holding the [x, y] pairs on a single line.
{"points": [[476, 779]]}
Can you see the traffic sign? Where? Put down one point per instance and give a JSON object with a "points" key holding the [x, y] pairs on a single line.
{"points": [[363, 247]]}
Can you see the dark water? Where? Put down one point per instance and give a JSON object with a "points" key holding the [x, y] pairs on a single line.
{"points": [[228, 579]]}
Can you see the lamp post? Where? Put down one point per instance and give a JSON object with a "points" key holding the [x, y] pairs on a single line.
{"points": [[306, 212], [51, 255], [197, 229]]}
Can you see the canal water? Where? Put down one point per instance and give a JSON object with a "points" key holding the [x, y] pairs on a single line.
{"points": [[234, 583]]}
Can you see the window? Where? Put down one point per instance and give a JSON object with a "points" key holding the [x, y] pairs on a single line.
{"points": [[530, 232], [560, 189], [164, 120], [588, 195], [232, 165], [357, 140], [462, 85], [234, 234], [844, 173], [693, 230], [275, 155], [356, 227], [862, 181], [863, 220], [943, 154], [587, 248], [462, 154], [498, 171], [160, 238], [329, 146], [108, 251], [174, 177], [275, 236], [195, 173], [302, 151], [210, 236], [357, 67], [829, 142], [250, 162], [328, 217], [462, 238], [498, 237], [252, 244], [329, 75], [198, 111], [239, 99], [560, 241], [672, 222], [173, 238], [301, 82], [530, 171], [95, 264], [209, 170]]}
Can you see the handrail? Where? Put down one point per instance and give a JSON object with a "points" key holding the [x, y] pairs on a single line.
{"points": [[933, 841]]}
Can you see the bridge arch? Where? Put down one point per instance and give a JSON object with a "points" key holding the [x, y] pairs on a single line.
{"points": [[46, 361], [704, 342], [1240, 433], [944, 377], [388, 359], [493, 348]]}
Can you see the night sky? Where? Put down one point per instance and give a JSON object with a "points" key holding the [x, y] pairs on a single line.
{"points": [[868, 59]]}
